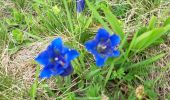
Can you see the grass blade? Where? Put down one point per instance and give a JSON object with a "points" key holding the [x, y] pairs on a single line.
{"points": [[97, 16], [113, 21], [68, 15], [33, 90], [152, 23], [147, 61]]}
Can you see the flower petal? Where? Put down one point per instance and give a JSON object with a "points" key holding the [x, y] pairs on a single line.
{"points": [[102, 35], [57, 69], [67, 71], [64, 50], [51, 52], [51, 70], [45, 73], [57, 44], [116, 53], [91, 45], [43, 58], [80, 4], [71, 54], [100, 60], [115, 40]]}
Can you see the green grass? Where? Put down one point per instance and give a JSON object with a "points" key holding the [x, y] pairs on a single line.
{"points": [[142, 26]]}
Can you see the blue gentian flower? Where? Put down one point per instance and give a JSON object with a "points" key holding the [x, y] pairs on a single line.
{"points": [[80, 4], [103, 46], [56, 59]]}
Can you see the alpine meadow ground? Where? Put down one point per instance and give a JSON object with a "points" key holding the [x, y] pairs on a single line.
{"points": [[109, 49]]}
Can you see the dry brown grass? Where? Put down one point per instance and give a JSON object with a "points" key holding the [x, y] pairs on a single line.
{"points": [[5, 5]]}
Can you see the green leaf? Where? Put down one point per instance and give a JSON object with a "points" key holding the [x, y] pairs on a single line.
{"points": [[118, 74], [167, 28], [18, 16], [17, 35], [68, 15], [97, 16], [141, 30], [93, 91], [33, 90], [109, 73], [92, 73], [152, 23], [113, 21], [89, 21], [11, 22], [56, 10], [49, 90], [147, 61], [33, 36], [147, 38], [71, 96], [151, 93], [167, 21]]}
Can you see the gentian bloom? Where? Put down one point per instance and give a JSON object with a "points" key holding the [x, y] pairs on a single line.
{"points": [[56, 59], [103, 46], [80, 4]]}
